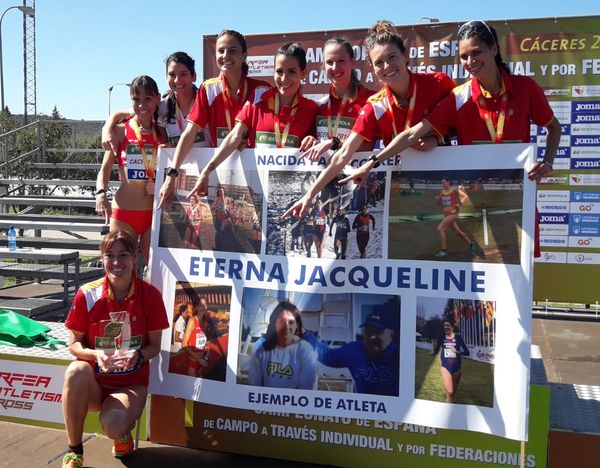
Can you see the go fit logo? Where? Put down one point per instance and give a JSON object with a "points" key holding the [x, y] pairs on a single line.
{"points": [[584, 242]]}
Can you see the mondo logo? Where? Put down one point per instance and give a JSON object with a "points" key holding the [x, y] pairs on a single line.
{"points": [[586, 208], [584, 242]]}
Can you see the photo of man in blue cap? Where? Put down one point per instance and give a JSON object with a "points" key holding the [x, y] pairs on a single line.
{"points": [[374, 360]]}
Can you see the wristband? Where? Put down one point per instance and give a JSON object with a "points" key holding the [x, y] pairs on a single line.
{"points": [[548, 164], [337, 144], [373, 158], [99, 192], [172, 172]]}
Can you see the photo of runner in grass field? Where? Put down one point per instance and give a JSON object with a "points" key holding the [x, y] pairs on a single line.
{"points": [[455, 345], [480, 217]]}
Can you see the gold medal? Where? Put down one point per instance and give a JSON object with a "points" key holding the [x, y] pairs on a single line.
{"points": [[150, 187]]}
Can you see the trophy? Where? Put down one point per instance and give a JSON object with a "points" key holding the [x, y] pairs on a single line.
{"points": [[115, 343]]}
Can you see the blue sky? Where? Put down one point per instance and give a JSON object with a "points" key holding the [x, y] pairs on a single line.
{"points": [[83, 47]]}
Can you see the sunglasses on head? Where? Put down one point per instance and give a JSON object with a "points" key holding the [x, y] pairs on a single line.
{"points": [[476, 24]]}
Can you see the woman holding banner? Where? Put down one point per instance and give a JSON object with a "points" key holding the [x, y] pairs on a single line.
{"points": [[217, 103], [453, 347], [281, 358], [406, 98], [339, 109], [281, 118]]}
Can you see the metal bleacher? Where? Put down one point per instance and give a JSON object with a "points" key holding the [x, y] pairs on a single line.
{"points": [[47, 195]]}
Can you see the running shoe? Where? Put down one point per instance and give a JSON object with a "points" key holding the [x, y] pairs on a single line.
{"points": [[72, 460], [123, 447], [441, 253]]}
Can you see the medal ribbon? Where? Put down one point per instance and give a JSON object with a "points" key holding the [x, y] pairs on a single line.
{"points": [[411, 107], [149, 164], [227, 100], [496, 134], [181, 122], [332, 131], [280, 140]]}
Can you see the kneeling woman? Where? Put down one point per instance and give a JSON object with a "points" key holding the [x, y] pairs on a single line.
{"points": [[453, 347], [115, 328], [139, 137]]}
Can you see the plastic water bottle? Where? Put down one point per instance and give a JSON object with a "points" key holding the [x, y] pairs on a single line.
{"points": [[12, 239]]}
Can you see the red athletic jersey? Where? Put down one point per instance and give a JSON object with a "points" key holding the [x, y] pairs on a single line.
{"points": [[259, 119], [89, 314], [210, 113], [375, 120], [462, 112], [130, 156], [449, 199], [330, 105]]}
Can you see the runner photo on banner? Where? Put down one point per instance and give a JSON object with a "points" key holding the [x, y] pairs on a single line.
{"points": [[369, 320]]}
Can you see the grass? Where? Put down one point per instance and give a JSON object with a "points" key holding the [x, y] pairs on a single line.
{"points": [[420, 240], [476, 385]]}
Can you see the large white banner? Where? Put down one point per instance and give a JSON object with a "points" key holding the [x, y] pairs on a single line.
{"points": [[339, 313]]}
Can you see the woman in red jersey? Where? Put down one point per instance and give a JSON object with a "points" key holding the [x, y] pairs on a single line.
{"points": [[115, 326], [217, 103], [406, 98], [339, 109], [281, 118]]}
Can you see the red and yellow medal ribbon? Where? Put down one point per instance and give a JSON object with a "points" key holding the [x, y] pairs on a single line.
{"points": [[227, 100], [497, 133], [411, 107], [149, 164], [333, 130], [280, 140]]}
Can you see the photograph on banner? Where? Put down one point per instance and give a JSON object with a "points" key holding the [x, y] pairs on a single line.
{"points": [[344, 222], [455, 350], [456, 215], [200, 330], [341, 342], [228, 219]]}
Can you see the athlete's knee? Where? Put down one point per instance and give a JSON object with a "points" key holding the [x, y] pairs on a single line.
{"points": [[78, 375], [116, 423]]}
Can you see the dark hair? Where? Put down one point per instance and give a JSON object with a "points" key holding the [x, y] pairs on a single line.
{"points": [[293, 49], [485, 33], [182, 307], [271, 335], [241, 39], [190, 64], [115, 236], [148, 85], [354, 81], [383, 32]]}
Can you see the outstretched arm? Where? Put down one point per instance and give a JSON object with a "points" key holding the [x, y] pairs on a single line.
{"points": [[401, 142], [336, 165], [231, 142], [185, 143]]}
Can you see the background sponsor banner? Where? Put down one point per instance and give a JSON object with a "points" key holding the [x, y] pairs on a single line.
{"points": [[372, 311], [31, 391], [560, 54]]}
